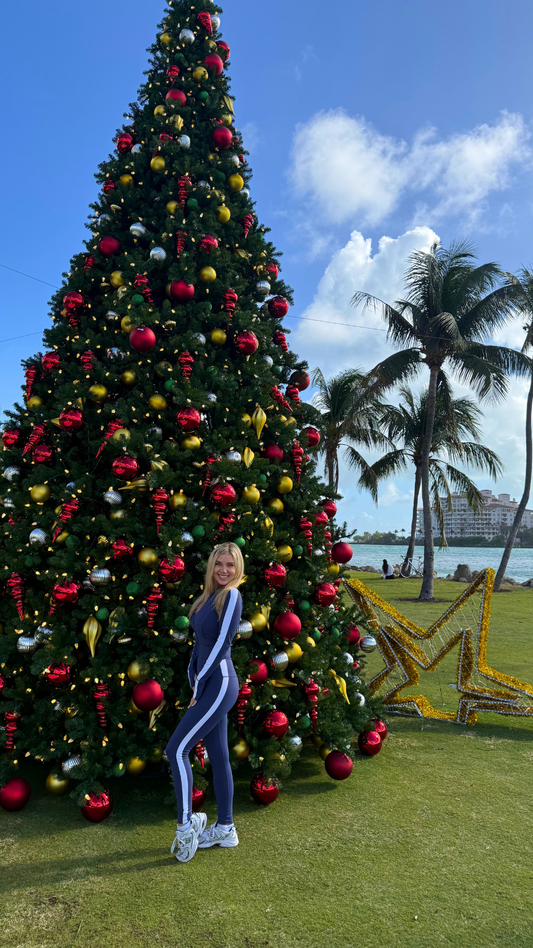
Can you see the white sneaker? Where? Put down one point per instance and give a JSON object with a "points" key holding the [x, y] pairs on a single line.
{"points": [[187, 841], [216, 836]]}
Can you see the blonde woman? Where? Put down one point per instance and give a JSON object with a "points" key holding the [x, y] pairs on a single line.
{"points": [[214, 616]]}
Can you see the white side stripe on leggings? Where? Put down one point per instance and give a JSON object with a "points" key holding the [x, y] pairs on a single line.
{"points": [[217, 647], [181, 747]]}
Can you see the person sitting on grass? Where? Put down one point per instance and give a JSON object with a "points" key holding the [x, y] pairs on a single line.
{"points": [[387, 572]]}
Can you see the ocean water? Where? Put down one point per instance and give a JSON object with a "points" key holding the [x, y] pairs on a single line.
{"points": [[520, 565]]}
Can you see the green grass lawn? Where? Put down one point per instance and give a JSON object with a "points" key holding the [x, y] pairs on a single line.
{"points": [[428, 844]]}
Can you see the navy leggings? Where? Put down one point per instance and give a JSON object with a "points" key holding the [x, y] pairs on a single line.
{"points": [[207, 720]]}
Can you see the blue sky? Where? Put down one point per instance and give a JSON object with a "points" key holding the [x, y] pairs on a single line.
{"points": [[364, 121]]}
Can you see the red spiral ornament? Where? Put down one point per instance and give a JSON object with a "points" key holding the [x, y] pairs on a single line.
{"points": [[31, 375], [87, 360], [205, 20], [173, 72], [153, 601], [245, 692], [16, 588], [199, 750], [247, 222], [35, 438], [208, 243], [50, 361], [100, 694], [293, 393], [297, 453], [108, 186], [159, 503], [69, 508], [110, 430], [209, 474], [230, 300], [184, 184], [311, 691], [141, 283], [186, 363], [328, 544], [277, 395], [307, 529], [180, 241], [88, 263], [225, 522], [279, 339], [10, 718]]}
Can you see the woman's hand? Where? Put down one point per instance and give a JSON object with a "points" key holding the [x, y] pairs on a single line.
{"points": [[192, 704]]}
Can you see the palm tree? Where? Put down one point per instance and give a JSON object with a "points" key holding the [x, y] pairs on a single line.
{"points": [[350, 412], [455, 419], [526, 281], [451, 311]]}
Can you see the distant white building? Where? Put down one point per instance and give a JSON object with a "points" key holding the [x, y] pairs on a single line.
{"points": [[494, 514]]}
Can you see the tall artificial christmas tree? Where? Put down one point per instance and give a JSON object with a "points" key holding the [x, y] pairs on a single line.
{"points": [[154, 427]]}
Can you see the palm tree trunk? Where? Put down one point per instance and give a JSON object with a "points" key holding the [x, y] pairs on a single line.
{"points": [[525, 496], [330, 466], [426, 591], [406, 566]]}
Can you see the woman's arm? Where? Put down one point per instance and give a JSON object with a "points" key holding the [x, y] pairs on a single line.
{"points": [[229, 622], [191, 671]]}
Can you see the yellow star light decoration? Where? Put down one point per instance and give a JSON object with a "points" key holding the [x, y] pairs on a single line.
{"points": [[405, 647]]}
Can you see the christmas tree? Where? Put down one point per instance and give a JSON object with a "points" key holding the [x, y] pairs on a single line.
{"points": [[152, 428]]}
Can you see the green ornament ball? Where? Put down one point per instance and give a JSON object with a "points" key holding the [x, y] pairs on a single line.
{"points": [[304, 722], [298, 550], [240, 542], [317, 635], [137, 299], [169, 385], [204, 96], [192, 203], [198, 531], [132, 589], [335, 634], [28, 561], [182, 623], [102, 613], [212, 371], [262, 478], [303, 605], [119, 770]]}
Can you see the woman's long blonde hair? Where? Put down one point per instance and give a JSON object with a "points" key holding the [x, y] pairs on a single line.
{"points": [[210, 584]]}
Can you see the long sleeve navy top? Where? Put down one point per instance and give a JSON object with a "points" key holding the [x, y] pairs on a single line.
{"points": [[213, 638]]}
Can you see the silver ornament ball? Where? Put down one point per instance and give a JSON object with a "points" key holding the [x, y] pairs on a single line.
{"points": [[295, 741], [43, 632], [154, 432], [100, 577], [203, 184], [349, 658], [360, 699], [279, 661], [263, 287], [184, 142], [186, 37], [269, 360], [245, 629], [179, 636], [37, 537], [211, 397], [103, 218], [115, 354], [158, 254], [187, 539], [87, 586], [137, 230], [199, 338], [235, 160], [10, 473], [215, 23], [111, 316], [70, 764], [113, 497], [233, 456], [8, 503], [367, 643], [26, 643], [245, 193], [136, 149]]}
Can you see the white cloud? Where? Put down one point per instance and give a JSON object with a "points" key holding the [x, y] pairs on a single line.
{"points": [[353, 171]]}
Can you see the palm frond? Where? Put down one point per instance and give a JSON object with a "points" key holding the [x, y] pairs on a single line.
{"points": [[395, 368], [355, 460], [488, 381]]}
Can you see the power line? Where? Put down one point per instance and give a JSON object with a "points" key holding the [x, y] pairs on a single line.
{"points": [[28, 275]]}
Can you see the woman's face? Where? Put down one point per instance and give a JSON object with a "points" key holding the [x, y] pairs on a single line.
{"points": [[224, 569]]}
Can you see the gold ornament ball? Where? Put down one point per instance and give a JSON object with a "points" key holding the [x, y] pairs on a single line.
{"points": [[157, 402], [165, 39], [116, 279], [258, 622], [251, 494], [218, 336], [159, 110], [246, 420], [40, 493], [192, 443], [207, 275], [126, 324], [223, 215], [275, 505], [126, 180], [200, 73], [236, 182], [98, 393], [157, 164], [311, 641], [284, 485], [57, 784], [163, 369], [135, 766], [324, 751], [285, 553], [227, 120], [34, 402], [172, 207], [333, 569], [147, 556], [135, 672], [128, 377], [121, 435], [267, 527], [118, 513], [241, 750], [177, 500], [293, 651], [317, 741], [133, 709]]}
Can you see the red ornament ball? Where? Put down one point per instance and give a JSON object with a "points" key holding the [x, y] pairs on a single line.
{"points": [[198, 798], [288, 625], [124, 143], [325, 594], [176, 96], [273, 452], [341, 552], [42, 454], [313, 436], [263, 792], [214, 64], [276, 723], [71, 419], [121, 549], [172, 569], [73, 301], [58, 673], [330, 507], [50, 360], [223, 495], [380, 728], [278, 307], [369, 743], [301, 379], [260, 676], [224, 49], [353, 635], [148, 695], [273, 270], [98, 807], [66, 592], [125, 467], [275, 575], [109, 246], [246, 342], [11, 437], [188, 419], [181, 291], [15, 794], [338, 765], [222, 137], [142, 339]]}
